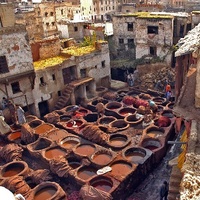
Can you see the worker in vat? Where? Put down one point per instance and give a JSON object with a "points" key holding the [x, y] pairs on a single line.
{"points": [[20, 115], [164, 190], [100, 107], [153, 106], [12, 109], [4, 127]]}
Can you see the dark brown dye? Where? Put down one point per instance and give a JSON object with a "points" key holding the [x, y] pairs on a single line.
{"points": [[74, 164], [121, 168], [12, 170], [69, 144], [86, 172], [56, 135], [42, 144], [55, 152], [43, 129], [102, 159], [14, 136], [102, 185], [135, 156], [45, 193], [78, 123], [113, 107], [168, 114], [118, 141], [151, 147], [85, 150]]}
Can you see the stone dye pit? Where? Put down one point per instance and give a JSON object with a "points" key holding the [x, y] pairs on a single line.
{"points": [[54, 159]]}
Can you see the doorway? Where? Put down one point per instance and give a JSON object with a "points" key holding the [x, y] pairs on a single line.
{"points": [[43, 108]]}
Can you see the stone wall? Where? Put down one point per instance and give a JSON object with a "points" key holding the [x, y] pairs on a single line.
{"points": [[148, 75]]}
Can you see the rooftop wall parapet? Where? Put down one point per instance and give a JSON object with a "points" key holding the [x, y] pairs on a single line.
{"points": [[12, 29]]}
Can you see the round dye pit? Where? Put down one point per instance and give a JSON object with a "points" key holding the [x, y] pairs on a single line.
{"points": [[160, 108], [106, 120], [102, 183], [93, 117], [86, 172], [119, 124], [40, 144], [43, 128], [59, 112], [57, 134], [113, 105], [151, 144], [55, 152], [14, 136], [74, 123], [85, 149], [45, 193], [69, 142], [73, 162], [135, 155], [30, 118], [95, 102], [159, 100], [127, 111], [133, 93], [167, 113], [170, 105], [65, 118], [162, 121], [35, 123], [133, 119], [121, 168], [118, 140], [102, 157], [154, 132], [13, 169]]}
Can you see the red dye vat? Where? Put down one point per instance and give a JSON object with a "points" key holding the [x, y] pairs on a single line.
{"points": [[14, 136], [74, 124]]}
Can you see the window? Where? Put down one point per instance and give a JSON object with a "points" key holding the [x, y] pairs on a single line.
{"points": [[51, 13], [83, 73], [152, 51], [130, 43], [3, 65], [59, 93], [121, 41], [85, 26], [130, 26], [53, 77], [47, 24], [61, 11], [46, 14], [152, 29], [75, 28], [15, 87], [41, 80], [103, 63]]}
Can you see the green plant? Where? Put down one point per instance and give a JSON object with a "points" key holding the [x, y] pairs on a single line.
{"points": [[89, 40]]}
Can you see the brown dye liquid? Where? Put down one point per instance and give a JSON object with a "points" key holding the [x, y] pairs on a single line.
{"points": [[69, 144], [121, 169], [12, 171], [14, 136], [43, 129], [45, 193], [53, 153], [85, 150], [150, 147], [86, 173], [102, 159], [154, 134], [118, 141], [135, 156], [102, 185]]}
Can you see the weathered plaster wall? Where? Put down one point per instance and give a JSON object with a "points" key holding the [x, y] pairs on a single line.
{"points": [[16, 48], [197, 90], [7, 15]]}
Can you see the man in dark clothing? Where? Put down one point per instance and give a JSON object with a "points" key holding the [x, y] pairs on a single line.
{"points": [[164, 189]]}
